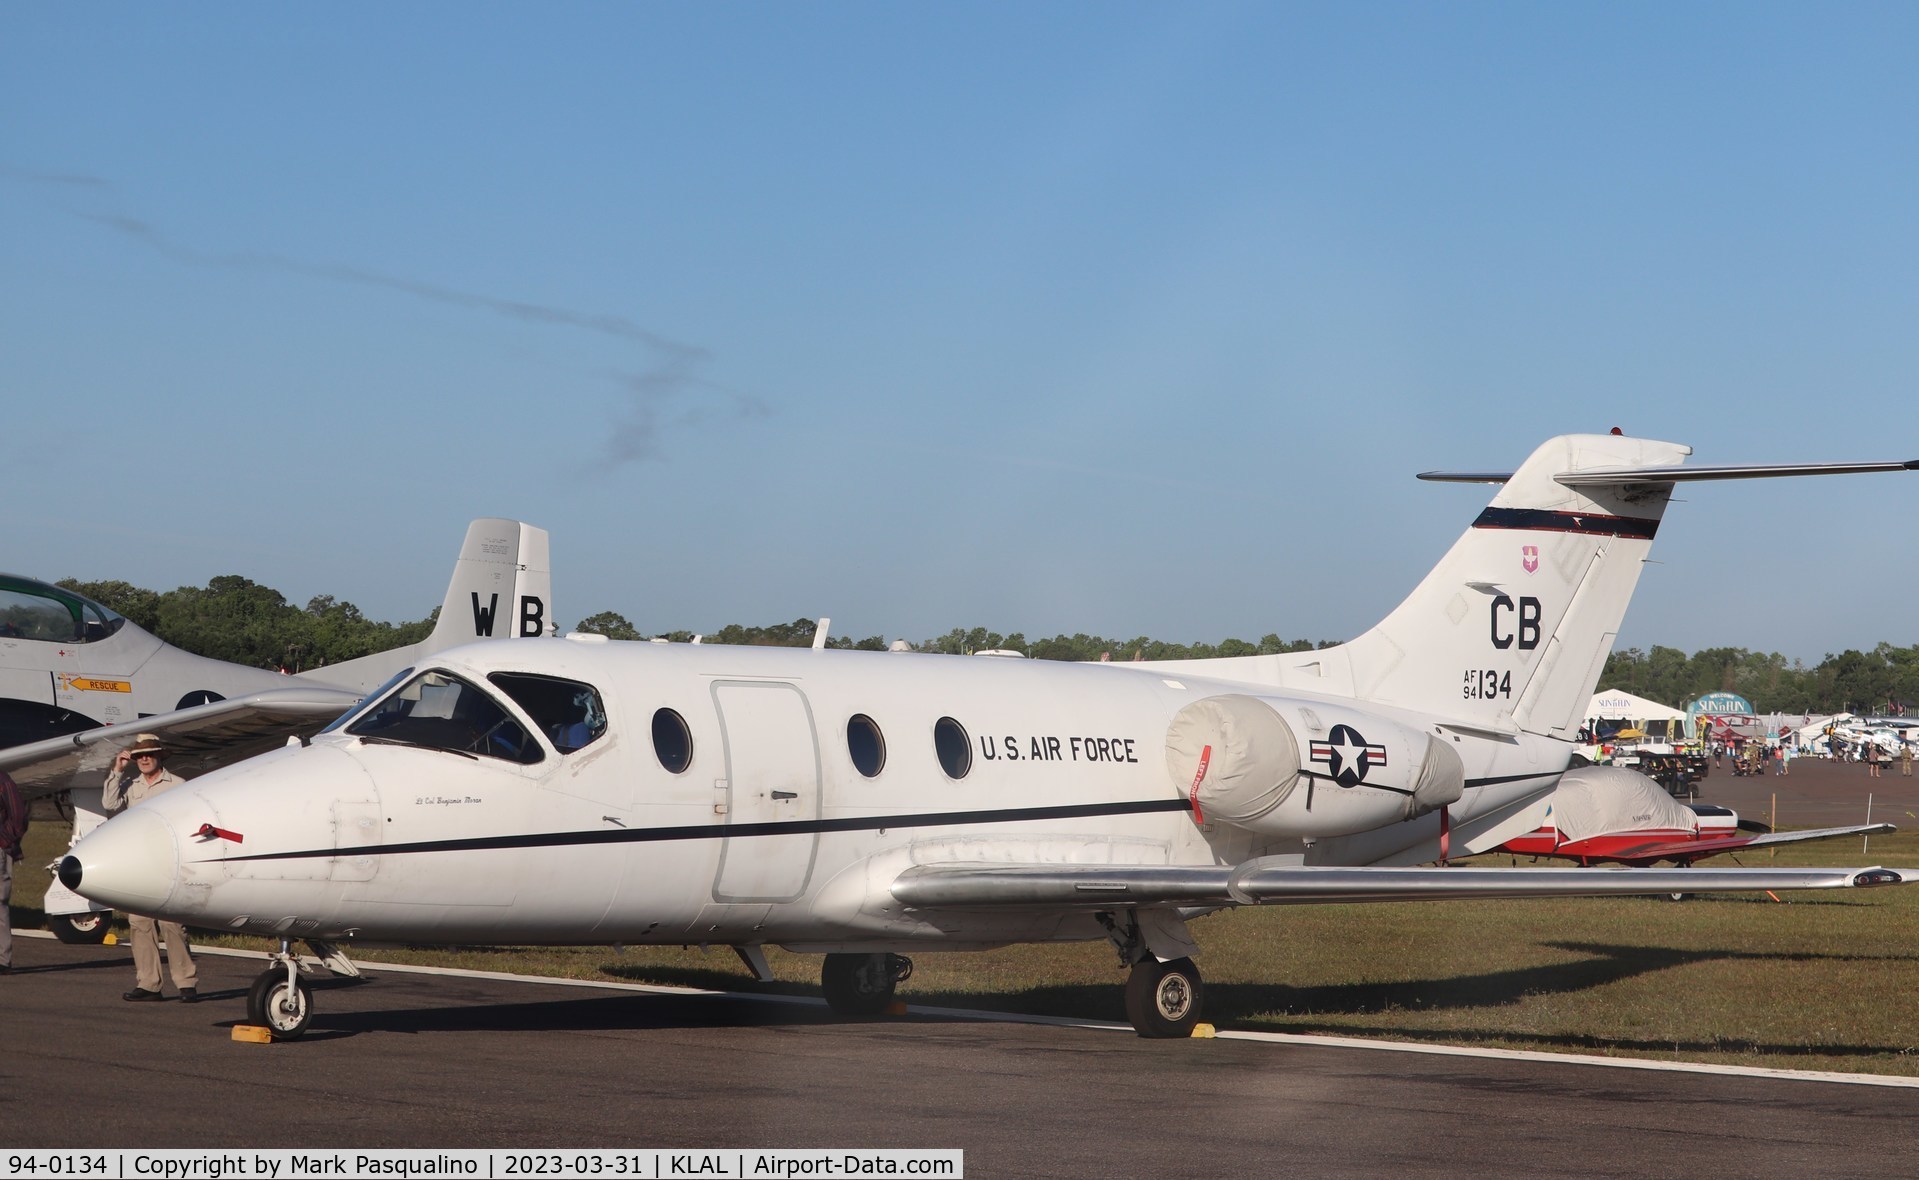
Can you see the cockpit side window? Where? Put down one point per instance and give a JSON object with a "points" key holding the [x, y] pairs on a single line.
{"points": [[31, 616], [568, 712], [35, 610], [440, 711]]}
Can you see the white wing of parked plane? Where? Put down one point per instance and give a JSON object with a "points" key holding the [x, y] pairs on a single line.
{"points": [[501, 588], [198, 739]]}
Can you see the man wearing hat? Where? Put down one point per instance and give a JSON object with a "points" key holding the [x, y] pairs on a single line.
{"points": [[136, 777]]}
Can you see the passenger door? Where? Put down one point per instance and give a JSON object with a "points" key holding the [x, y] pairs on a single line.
{"points": [[772, 791]]}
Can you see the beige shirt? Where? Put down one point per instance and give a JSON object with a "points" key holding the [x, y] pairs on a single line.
{"points": [[129, 789]]}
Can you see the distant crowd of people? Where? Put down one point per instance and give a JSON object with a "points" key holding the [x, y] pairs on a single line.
{"points": [[1755, 757]]}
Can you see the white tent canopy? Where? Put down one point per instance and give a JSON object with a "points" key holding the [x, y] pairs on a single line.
{"points": [[1624, 706]]}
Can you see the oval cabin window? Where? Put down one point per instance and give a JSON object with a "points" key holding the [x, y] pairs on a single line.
{"points": [[954, 748], [866, 744], [672, 741]]}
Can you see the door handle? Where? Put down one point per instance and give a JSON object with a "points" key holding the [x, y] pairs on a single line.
{"points": [[777, 795]]}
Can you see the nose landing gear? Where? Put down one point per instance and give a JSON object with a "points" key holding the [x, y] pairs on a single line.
{"points": [[279, 999]]}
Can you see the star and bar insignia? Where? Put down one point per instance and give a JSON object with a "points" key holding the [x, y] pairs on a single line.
{"points": [[1347, 756]]}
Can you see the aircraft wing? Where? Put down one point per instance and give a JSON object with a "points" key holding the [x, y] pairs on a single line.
{"points": [[1105, 887], [1689, 849], [199, 739]]}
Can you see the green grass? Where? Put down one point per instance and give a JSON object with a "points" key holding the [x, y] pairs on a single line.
{"points": [[1818, 981]]}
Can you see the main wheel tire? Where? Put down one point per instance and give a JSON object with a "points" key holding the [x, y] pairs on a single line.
{"points": [[1163, 999], [283, 1008], [88, 929], [859, 985]]}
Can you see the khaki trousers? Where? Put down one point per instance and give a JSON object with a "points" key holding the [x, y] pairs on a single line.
{"points": [[146, 953]]}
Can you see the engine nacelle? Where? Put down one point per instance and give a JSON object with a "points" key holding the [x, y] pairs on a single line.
{"points": [[1283, 767]]}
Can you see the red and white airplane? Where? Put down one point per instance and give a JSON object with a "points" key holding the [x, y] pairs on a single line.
{"points": [[1611, 815]]}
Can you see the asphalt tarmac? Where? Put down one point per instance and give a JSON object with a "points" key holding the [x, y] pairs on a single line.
{"points": [[435, 1061]]}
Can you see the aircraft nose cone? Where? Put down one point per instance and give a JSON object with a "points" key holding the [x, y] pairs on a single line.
{"points": [[129, 863]]}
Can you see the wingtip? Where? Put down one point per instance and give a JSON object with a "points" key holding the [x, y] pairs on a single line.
{"points": [[1870, 878]]}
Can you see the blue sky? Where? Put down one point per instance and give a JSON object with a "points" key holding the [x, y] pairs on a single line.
{"points": [[1119, 318]]}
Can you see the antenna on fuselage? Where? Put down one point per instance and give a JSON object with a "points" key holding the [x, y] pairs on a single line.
{"points": [[819, 633]]}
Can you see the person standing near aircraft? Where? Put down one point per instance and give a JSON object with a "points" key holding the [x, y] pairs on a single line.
{"points": [[1905, 757], [137, 776], [13, 829]]}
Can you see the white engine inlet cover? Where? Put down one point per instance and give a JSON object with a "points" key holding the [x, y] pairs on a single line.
{"points": [[1243, 760], [1233, 756]]}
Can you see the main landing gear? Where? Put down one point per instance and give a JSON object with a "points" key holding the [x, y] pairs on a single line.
{"points": [[1164, 995], [862, 985], [1163, 999]]}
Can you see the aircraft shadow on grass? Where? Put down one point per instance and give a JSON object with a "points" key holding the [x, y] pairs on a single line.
{"points": [[1232, 1003]]}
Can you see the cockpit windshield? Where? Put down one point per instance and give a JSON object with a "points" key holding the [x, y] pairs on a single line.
{"points": [[35, 610], [567, 711], [440, 711], [368, 699]]}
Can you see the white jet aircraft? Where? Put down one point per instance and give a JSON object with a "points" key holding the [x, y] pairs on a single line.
{"points": [[78, 681], [862, 804]]}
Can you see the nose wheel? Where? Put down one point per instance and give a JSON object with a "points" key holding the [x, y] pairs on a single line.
{"points": [[279, 1000]]}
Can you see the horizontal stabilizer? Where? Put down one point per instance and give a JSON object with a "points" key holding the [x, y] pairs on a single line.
{"points": [[1667, 474]]}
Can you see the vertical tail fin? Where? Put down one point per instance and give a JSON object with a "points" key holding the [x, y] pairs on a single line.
{"points": [[1512, 628], [502, 587]]}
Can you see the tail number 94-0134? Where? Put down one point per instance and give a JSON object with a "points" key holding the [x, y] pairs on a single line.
{"points": [[1483, 684]]}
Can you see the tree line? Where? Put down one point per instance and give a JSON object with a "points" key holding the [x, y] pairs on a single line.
{"points": [[1884, 680], [240, 621], [236, 619], [960, 641]]}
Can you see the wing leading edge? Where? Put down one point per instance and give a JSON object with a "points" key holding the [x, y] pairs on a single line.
{"points": [[1098, 887]]}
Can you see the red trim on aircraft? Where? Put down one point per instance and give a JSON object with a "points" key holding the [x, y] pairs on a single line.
{"points": [[209, 832], [1205, 760]]}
